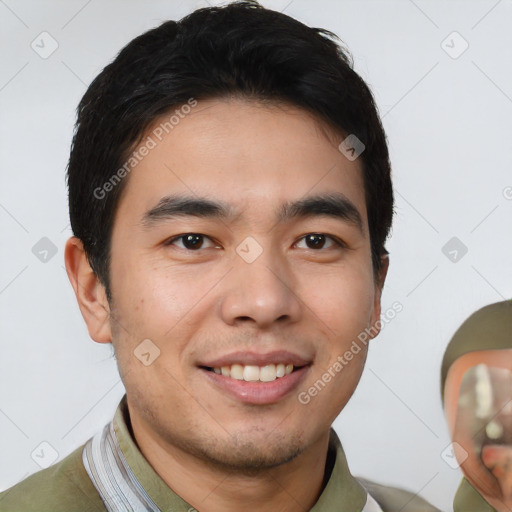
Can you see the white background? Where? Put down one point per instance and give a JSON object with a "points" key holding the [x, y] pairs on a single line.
{"points": [[449, 124]]}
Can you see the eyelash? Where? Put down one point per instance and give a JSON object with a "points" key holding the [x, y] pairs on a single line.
{"points": [[338, 243]]}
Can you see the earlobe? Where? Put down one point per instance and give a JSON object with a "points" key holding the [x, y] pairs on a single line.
{"points": [[90, 293]]}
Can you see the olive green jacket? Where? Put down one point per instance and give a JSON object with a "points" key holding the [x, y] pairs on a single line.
{"points": [[67, 487], [468, 499]]}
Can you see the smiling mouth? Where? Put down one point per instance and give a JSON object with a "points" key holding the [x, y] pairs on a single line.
{"points": [[252, 373]]}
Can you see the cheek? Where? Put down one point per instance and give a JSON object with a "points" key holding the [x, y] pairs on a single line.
{"points": [[343, 299], [153, 298], [164, 305]]}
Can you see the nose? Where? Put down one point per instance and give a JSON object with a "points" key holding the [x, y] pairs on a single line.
{"points": [[261, 293]]}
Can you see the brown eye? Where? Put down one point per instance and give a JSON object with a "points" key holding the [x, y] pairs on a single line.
{"points": [[190, 241], [318, 241]]}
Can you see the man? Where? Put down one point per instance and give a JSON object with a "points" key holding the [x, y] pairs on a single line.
{"points": [[230, 197]]}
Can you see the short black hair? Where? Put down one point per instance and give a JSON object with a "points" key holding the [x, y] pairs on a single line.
{"points": [[241, 49]]}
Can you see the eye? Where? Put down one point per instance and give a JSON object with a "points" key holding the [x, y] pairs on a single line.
{"points": [[317, 241], [190, 241], [196, 241]]}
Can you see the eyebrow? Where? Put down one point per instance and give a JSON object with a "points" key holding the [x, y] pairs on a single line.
{"points": [[333, 205]]}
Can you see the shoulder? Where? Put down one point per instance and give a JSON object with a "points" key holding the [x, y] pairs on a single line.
{"points": [[468, 499], [63, 487], [392, 499]]}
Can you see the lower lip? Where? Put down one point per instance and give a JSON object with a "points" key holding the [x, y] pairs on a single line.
{"points": [[258, 393]]}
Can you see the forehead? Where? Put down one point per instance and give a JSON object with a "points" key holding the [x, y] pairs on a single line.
{"points": [[247, 154]]}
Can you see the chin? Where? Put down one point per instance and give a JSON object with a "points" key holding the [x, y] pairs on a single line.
{"points": [[245, 453], [251, 458]]}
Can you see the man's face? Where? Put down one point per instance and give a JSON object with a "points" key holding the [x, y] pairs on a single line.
{"points": [[247, 289]]}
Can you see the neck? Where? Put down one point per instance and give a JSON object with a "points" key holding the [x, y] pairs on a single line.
{"points": [[291, 487]]}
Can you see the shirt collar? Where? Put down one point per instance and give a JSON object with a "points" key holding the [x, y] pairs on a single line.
{"points": [[341, 494]]}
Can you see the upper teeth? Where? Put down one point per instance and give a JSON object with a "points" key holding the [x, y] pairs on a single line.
{"points": [[251, 373]]}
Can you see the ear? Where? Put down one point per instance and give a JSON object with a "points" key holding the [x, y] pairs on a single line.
{"points": [[379, 285], [90, 293]]}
